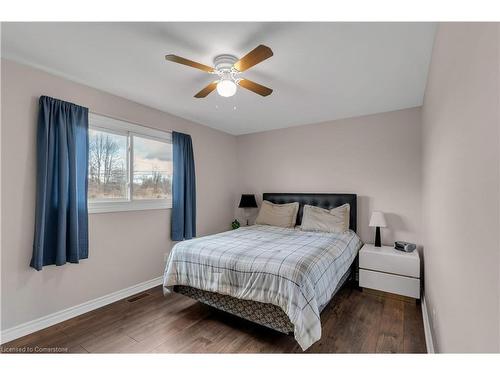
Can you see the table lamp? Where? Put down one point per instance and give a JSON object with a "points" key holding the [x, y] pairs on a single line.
{"points": [[247, 201], [377, 220]]}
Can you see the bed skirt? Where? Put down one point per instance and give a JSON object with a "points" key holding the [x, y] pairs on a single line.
{"points": [[265, 314]]}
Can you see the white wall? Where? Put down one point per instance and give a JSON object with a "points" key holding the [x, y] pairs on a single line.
{"points": [[377, 157], [126, 248], [461, 188]]}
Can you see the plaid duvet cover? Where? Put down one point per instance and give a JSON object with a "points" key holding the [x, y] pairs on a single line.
{"points": [[293, 269]]}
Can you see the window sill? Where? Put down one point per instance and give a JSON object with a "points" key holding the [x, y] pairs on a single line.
{"points": [[103, 207]]}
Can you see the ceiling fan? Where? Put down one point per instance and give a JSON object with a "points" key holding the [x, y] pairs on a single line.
{"points": [[228, 69]]}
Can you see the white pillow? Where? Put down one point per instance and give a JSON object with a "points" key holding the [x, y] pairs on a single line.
{"points": [[278, 215], [319, 219]]}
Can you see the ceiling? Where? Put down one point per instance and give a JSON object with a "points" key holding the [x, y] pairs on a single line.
{"points": [[319, 71]]}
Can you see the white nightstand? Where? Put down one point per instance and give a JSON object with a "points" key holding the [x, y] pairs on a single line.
{"points": [[390, 270]]}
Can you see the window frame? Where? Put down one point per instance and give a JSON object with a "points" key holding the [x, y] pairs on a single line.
{"points": [[128, 129]]}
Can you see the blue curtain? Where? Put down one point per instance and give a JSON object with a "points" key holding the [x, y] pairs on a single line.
{"points": [[61, 218], [183, 189]]}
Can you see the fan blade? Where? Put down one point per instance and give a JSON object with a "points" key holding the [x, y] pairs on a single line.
{"points": [[207, 90], [255, 87], [253, 57], [193, 64]]}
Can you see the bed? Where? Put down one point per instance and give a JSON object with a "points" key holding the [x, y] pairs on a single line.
{"points": [[278, 277]]}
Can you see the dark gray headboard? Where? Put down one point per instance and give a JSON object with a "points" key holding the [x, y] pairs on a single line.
{"points": [[320, 199]]}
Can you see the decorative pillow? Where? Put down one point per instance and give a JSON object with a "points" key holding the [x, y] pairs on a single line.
{"points": [[278, 215], [319, 219]]}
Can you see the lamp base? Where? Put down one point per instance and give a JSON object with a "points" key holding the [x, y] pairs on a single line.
{"points": [[247, 214], [378, 242]]}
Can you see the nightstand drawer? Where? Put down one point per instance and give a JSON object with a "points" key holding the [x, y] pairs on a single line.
{"points": [[387, 259], [402, 285]]}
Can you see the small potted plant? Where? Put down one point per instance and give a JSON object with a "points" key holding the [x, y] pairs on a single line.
{"points": [[235, 224]]}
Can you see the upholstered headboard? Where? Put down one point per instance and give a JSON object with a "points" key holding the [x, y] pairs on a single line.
{"points": [[320, 199]]}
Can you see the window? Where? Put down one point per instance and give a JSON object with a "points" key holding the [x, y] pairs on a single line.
{"points": [[107, 166], [130, 166], [152, 172]]}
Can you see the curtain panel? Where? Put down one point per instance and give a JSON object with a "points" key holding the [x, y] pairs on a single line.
{"points": [[61, 217], [183, 189]]}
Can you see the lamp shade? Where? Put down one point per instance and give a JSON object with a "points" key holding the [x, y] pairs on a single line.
{"points": [[247, 201], [378, 219]]}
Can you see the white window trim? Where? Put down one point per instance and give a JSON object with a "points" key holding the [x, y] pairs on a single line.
{"points": [[128, 129], [136, 205], [124, 127]]}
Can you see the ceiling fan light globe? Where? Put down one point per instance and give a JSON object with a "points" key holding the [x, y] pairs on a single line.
{"points": [[226, 88]]}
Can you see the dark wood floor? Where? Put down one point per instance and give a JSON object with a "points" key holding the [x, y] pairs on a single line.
{"points": [[354, 322]]}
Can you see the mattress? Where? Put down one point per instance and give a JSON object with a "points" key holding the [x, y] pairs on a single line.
{"points": [[295, 270]]}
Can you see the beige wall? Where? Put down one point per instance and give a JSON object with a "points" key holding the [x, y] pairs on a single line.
{"points": [[126, 248], [377, 157], [461, 188]]}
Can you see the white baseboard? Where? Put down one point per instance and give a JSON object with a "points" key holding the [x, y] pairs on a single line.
{"points": [[429, 341], [60, 316]]}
